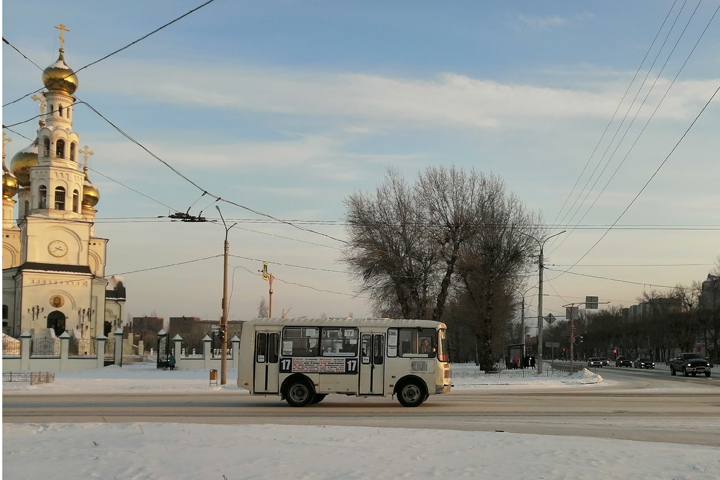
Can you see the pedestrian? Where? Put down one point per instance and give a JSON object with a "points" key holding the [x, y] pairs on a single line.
{"points": [[526, 361], [516, 362], [532, 361], [171, 362]]}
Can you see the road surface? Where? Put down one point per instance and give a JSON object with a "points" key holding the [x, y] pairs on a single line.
{"points": [[636, 406]]}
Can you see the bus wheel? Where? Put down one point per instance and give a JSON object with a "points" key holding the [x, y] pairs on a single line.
{"points": [[319, 397], [411, 394], [299, 394]]}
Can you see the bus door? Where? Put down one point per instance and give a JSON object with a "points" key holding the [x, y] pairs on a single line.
{"points": [[372, 360], [266, 362]]}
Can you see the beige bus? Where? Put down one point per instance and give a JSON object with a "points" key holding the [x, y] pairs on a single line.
{"points": [[303, 360]]}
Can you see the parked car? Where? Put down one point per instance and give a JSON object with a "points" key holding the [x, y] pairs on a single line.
{"points": [[644, 361], [594, 362], [623, 362], [689, 363], [606, 362]]}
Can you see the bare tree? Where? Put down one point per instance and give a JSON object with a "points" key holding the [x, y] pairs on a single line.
{"points": [[263, 311], [452, 202], [493, 261], [389, 250]]}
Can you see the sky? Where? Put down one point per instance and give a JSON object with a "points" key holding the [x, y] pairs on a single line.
{"points": [[288, 107], [230, 452]]}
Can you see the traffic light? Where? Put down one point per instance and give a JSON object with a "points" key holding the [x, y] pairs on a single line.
{"points": [[615, 351]]}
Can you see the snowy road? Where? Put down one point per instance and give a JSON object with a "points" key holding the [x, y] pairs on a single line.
{"points": [[610, 412]]}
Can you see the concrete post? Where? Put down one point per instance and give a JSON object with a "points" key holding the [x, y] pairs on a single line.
{"points": [[101, 339], [64, 349], [25, 341], [207, 354], [235, 351], [141, 348], [177, 349], [118, 347]]}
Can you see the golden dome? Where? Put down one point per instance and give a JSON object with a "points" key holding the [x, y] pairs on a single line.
{"points": [[91, 195], [22, 161], [58, 77], [9, 183]]}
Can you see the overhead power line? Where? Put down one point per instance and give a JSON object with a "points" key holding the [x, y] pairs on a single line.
{"points": [[110, 54], [614, 113]]}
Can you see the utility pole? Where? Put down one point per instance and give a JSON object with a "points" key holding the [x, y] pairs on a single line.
{"points": [[541, 267], [269, 277], [224, 319]]}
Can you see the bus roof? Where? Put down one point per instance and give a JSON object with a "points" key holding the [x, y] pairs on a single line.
{"points": [[329, 322]]}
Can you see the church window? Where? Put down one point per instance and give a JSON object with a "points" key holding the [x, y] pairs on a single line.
{"points": [[5, 312], [76, 201], [60, 151], [72, 152], [52, 112], [46, 144], [42, 202], [60, 110], [59, 198]]}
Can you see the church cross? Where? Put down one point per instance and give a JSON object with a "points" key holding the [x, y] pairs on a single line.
{"points": [[5, 140], [62, 29], [43, 104], [86, 153]]}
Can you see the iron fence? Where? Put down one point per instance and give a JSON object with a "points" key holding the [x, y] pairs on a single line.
{"points": [[82, 347], [35, 378], [45, 347], [10, 347]]}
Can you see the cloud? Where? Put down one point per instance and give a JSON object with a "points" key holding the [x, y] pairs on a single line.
{"points": [[543, 22], [449, 100], [553, 21]]}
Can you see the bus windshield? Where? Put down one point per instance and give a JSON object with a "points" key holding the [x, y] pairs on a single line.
{"points": [[443, 351]]}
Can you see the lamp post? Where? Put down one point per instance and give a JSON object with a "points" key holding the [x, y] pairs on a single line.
{"points": [[224, 319], [522, 319], [540, 295]]}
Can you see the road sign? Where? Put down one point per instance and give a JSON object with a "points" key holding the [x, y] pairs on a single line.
{"points": [[591, 303], [572, 313], [550, 318], [552, 344], [265, 271]]}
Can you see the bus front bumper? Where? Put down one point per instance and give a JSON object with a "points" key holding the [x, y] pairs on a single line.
{"points": [[442, 389]]}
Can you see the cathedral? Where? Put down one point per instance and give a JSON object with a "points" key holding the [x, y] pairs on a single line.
{"points": [[53, 264]]}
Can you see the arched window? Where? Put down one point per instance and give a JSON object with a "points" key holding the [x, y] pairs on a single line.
{"points": [[60, 150], [52, 112], [72, 152], [60, 110], [46, 144], [42, 201], [5, 312], [76, 201], [60, 198]]}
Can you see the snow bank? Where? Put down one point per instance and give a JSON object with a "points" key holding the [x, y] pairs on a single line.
{"points": [[221, 452]]}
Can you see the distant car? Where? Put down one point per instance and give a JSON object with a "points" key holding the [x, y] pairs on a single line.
{"points": [[594, 362], [644, 361], [689, 363], [623, 362], [606, 362]]}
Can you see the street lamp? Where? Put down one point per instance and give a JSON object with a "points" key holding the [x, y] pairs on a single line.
{"points": [[224, 320], [540, 295]]}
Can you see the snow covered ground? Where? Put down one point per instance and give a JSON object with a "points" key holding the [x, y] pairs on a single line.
{"points": [[190, 451], [144, 377]]}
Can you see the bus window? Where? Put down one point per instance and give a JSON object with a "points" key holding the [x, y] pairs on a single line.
{"points": [[378, 349], [273, 344], [260, 347], [417, 342], [339, 342], [300, 342]]}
